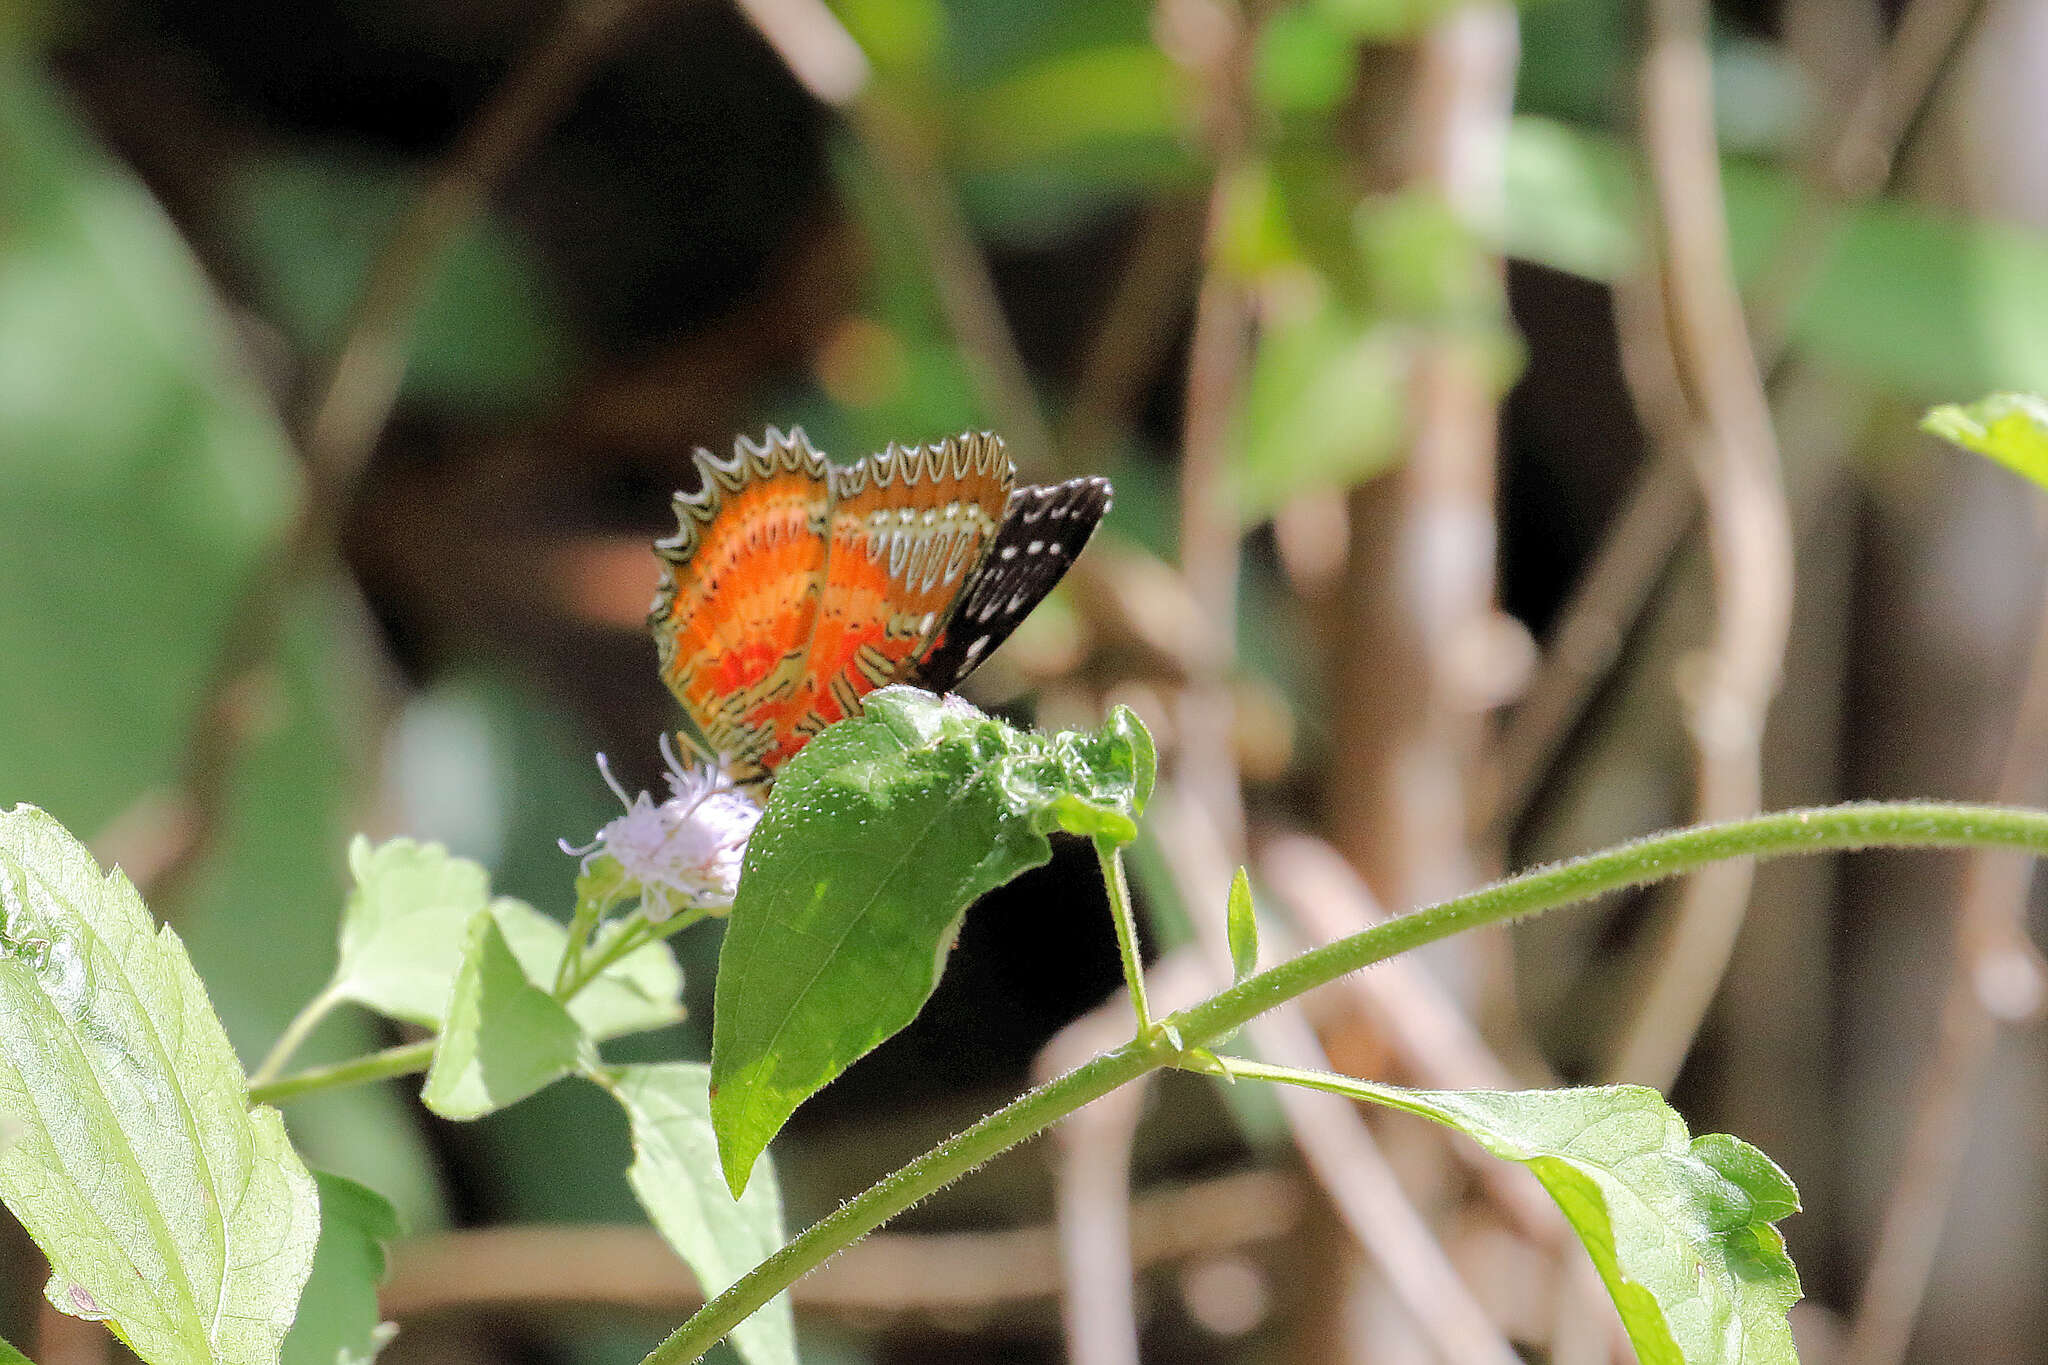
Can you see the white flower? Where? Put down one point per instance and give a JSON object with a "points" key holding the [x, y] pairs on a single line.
{"points": [[683, 852]]}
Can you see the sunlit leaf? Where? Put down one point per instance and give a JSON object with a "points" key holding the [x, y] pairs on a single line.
{"points": [[166, 1206], [1681, 1229], [504, 1037], [403, 925], [675, 1174], [139, 450], [338, 1321], [2012, 428], [406, 925], [880, 834], [642, 990]]}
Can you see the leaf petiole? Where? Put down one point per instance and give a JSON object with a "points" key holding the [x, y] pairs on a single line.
{"points": [[1109, 852]]}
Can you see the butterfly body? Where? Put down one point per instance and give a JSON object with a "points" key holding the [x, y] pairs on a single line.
{"points": [[794, 587]]}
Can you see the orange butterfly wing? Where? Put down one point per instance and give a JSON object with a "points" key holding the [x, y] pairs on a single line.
{"points": [[907, 527], [740, 589]]}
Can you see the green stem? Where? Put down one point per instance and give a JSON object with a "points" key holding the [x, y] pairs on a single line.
{"points": [[589, 909], [295, 1033], [376, 1066], [1838, 828], [630, 940], [1110, 855], [1020, 1119], [265, 1087], [1330, 1082]]}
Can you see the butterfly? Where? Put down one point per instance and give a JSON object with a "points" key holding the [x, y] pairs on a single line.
{"points": [[793, 587]]}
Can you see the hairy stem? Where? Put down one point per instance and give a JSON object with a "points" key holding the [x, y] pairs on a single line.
{"points": [[1112, 860], [1819, 830]]}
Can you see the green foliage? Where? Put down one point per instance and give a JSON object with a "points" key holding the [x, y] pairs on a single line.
{"points": [[2012, 428], [1682, 1231], [1060, 104], [1304, 62], [1910, 299], [484, 338], [10, 1356], [1323, 406], [338, 1321], [675, 1174], [408, 924], [1680, 1228], [1242, 923], [504, 1036], [142, 472], [166, 1206], [880, 834]]}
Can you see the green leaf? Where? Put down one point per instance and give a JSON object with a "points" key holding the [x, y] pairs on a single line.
{"points": [[2012, 428], [1243, 925], [338, 1321], [142, 451], [405, 927], [1323, 407], [1062, 103], [505, 1037], [1681, 1229], [166, 1206], [10, 1356], [880, 834], [642, 990], [1304, 63], [675, 1176]]}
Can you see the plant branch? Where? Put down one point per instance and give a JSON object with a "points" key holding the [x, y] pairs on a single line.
{"points": [[1815, 830]]}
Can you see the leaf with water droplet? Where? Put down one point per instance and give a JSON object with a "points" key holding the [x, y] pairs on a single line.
{"points": [[167, 1207]]}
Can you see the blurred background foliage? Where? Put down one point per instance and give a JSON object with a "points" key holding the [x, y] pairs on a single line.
{"points": [[193, 194]]}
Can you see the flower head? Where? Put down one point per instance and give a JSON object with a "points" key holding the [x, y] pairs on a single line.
{"points": [[684, 851]]}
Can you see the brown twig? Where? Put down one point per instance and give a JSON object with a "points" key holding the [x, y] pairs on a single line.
{"points": [[352, 401], [888, 1272], [1749, 532], [1997, 978], [1636, 551]]}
